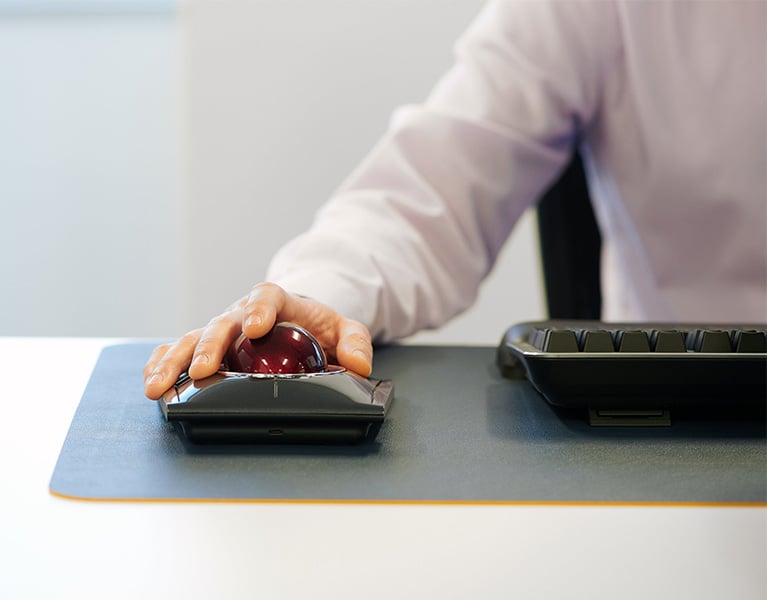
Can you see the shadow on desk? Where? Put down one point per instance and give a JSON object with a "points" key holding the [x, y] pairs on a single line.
{"points": [[515, 410], [699, 458]]}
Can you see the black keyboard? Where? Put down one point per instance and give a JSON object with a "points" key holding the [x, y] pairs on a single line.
{"points": [[636, 373]]}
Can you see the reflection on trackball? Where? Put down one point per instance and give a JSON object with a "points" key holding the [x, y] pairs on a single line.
{"points": [[286, 349]]}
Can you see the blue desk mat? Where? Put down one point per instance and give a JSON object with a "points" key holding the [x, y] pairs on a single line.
{"points": [[457, 432]]}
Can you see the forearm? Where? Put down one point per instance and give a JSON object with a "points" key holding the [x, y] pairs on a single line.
{"points": [[407, 239]]}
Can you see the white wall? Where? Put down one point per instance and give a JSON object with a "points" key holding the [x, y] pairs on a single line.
{"points": [[266, 108], [88, 175]]}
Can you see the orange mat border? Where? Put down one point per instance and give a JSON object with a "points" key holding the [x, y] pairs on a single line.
{"points": [[364, 502]]}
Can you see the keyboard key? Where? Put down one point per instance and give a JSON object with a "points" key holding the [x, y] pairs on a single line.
{"points": [[749, 341], [667, 341], [597, 341], [709, 340], [632, 341], [560, 340]]}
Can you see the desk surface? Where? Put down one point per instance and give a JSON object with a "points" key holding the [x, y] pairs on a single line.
{"points": [[199, 550]]}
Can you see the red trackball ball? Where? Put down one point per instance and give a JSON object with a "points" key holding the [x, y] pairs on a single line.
{"points": [[286, 349]]}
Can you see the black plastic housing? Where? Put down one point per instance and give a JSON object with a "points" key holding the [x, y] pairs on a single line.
{"points": [[686, 379], [318, 408]]}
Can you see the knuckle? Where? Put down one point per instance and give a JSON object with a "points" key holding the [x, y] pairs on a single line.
{"points": [[357, 331], [267, 286], [359, 339], [161, 350], [226, 319], [155, 358], [266, 293], [188, 339], [208, 345]]}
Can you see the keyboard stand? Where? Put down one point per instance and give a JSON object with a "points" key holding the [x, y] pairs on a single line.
{"points": [[600, 417]]}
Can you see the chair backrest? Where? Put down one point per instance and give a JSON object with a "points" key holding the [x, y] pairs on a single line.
{"points": [[570, 247]]}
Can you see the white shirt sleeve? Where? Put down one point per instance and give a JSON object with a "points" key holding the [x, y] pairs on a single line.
{"points": [[669, 103], [405, 242]]}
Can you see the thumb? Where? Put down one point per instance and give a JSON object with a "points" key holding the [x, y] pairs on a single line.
{"points": [[355, 347]]}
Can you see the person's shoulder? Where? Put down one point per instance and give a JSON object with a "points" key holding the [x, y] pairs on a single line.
{"points": [[570, 15], [591, 24]]}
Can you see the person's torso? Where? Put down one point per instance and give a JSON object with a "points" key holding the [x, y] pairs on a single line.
{"points": [[678, 163]]}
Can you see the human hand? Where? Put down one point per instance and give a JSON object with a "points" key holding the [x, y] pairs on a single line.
{"points": [[345, 341]]}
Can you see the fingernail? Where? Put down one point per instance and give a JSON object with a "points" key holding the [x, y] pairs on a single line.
{"points": [[155, 378], [363, 355], [253, 321], [201, 359]]}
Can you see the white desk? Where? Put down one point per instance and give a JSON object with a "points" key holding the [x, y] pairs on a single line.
{"points": [[52, 547]]}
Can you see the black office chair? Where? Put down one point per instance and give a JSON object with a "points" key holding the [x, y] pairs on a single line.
{"points": [[570, 247]]}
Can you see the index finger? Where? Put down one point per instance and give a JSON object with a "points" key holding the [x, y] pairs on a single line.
{"points": [[264, 303]]}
